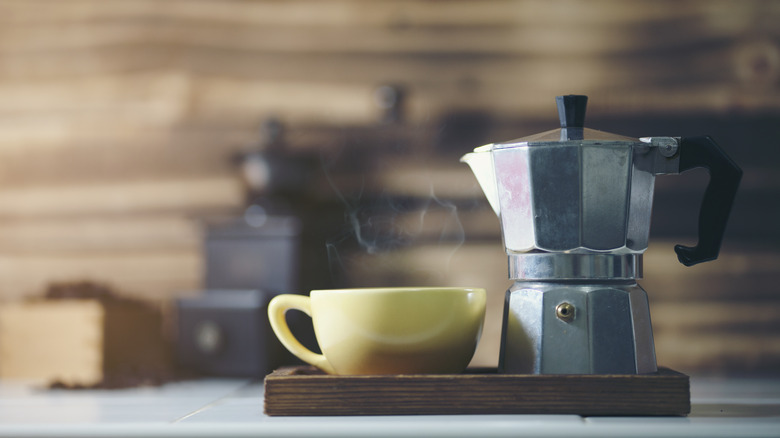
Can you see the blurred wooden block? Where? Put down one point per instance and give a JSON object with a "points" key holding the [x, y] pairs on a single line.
{"points": [[79, 341], [52, 341]]}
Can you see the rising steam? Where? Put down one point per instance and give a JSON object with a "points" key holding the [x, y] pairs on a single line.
{"points": [[383, 223]]}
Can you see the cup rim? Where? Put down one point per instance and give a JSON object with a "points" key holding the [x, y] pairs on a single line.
{"points": [[400, 290]]}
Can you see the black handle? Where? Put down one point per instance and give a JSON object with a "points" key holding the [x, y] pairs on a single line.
{"points": [[718, 197]]}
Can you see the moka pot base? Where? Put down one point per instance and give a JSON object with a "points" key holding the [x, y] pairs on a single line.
{"points": [[576, 314]]}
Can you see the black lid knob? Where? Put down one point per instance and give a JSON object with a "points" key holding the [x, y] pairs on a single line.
{"points": [[571, 110]]}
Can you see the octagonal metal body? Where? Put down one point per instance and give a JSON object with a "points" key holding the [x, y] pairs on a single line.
{"points": [[569, 328], [574, 196]]}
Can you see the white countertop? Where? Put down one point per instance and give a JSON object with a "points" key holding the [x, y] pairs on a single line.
{"points": [[234, 408]]}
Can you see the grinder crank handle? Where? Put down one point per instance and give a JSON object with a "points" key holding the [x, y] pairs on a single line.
{"points": [[725, 176]]}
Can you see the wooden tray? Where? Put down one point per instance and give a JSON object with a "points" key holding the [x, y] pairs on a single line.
{"points": [[307, 391]]}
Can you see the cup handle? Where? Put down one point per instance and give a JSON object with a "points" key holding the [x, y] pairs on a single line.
{"points": [[277, 309]]}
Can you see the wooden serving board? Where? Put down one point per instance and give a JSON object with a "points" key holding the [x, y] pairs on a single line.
{"points": [[307, 391]]}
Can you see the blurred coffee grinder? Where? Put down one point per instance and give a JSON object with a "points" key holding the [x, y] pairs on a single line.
{"points": [[249, 260]]}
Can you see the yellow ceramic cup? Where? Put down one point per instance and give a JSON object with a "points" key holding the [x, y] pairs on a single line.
{"points": [[386, 330]]}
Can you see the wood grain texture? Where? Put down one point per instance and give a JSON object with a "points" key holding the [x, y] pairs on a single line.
{"points": [[293, 58], [152, 275], [100, 235], [144, 196], [119, 121], [305, 391], [508, 26], [360, 12]]}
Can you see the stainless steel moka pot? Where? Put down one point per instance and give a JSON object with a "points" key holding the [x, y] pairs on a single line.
{"points": [[574, 206]]}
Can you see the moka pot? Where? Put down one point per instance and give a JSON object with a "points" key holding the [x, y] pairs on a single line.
{"points": [[574, 206]]}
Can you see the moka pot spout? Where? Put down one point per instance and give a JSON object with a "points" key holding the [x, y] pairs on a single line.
{"points": [[481, 163]]}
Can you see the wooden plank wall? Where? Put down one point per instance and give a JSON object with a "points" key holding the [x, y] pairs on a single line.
{"points": [[118, 119]]}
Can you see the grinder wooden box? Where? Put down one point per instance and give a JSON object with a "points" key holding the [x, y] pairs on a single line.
{"points": [[79, 341]]}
